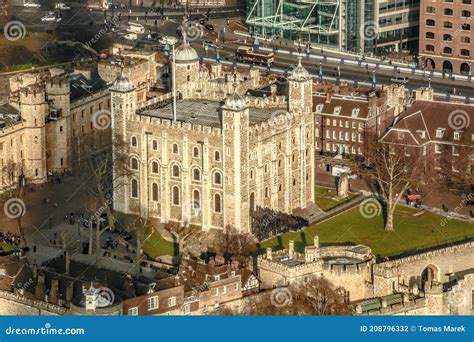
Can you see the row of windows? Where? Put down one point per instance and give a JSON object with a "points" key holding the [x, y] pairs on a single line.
{"points": [[448, 50], [91, 110], [176, 196], [344, 136], [448, 38], [176, 171], [175, 149], [448, 24], [448, 11]]}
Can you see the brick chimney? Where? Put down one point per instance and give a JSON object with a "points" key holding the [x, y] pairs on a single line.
{"points": [[269, 253], [40, 289], [54, 293], [291, 248], [344, 88]]}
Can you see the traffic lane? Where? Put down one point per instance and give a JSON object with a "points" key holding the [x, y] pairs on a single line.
{"points": [[353, 74]]}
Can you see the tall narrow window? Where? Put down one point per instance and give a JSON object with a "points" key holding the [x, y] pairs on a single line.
{"points": [[217, 203], [176, 199], [134, 188], [154, 192]]}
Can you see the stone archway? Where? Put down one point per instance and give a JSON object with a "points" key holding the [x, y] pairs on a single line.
{"points": [[430, 64], [429, 274], [464, 69], [447, 66]]}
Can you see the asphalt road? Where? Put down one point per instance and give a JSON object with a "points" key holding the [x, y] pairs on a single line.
{"points": [[79, 17]]}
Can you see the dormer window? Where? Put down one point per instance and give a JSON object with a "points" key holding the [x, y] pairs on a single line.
{"points": [[400, 135], [319, 108], [355, 112], [337, 110], [422, 134], [439, 132], [457, 135]]}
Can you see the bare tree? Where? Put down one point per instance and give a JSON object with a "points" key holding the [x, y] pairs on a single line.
{"points": [[317, 296], [392, 168], [237, 244], [182, 235], [96, 167]]}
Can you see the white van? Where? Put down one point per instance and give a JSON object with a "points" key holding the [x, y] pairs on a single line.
{"points": [[399, 80], [131, 36], [135, 28]]}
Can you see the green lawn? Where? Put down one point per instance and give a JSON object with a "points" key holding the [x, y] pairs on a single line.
{"points": [[155, 246], [326, 198], [410, 233]]}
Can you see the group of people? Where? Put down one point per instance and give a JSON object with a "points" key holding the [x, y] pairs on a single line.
{"points": [[10, 238], [267, 223]]}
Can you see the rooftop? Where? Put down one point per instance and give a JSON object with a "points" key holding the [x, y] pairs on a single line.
{"points": [[204, 112]]}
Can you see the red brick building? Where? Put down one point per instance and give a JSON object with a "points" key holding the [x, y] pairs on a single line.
{"points": [[441, 133], [447, 35], [345, 120]]}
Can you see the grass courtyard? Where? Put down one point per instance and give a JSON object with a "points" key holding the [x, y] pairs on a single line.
{"points": [[326, 198], [5, 247], [155, 246], [411, 232]]}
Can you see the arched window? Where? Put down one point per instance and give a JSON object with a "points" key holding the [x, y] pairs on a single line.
{"points": [[448, 24], [175, 171], [134, 142], [448, 11], [154, 167], [154, 192], [466, 14], [175, 149], [154, 145], [465, 52], [134, 193], [175, 194], [430, 35], [447, 50], [447, 37], [217, 203], [466, 27], [266, 192], [217, 178], [430, 9], [430, 48], [430, 22], [217, 156], [196, 152], [196, 174], [134, 164]]}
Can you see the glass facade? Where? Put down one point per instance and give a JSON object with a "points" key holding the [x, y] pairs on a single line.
{"points": [[315, 21]]}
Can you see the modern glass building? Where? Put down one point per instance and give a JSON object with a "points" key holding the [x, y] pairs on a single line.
{"points": [[316, 21], [339, 24]]}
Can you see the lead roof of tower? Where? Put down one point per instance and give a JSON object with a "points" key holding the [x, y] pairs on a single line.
{"points": [[235, 101], [122, 84], [204, 112], [185, 53], [300, 73]]}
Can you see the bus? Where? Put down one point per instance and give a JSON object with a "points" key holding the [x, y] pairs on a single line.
{"points": [[99, 5], [249, 55], [135, 28]]}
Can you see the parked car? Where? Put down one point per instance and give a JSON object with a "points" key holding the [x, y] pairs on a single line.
{"points": [[51, 18], [209, 27], [131, 36], [31, 5]]}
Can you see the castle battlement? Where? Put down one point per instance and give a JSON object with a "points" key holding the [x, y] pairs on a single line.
{"points": [[292, 271], [32, 96], [33, 303], [90, 98], [461, 248], [178, 125]]}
